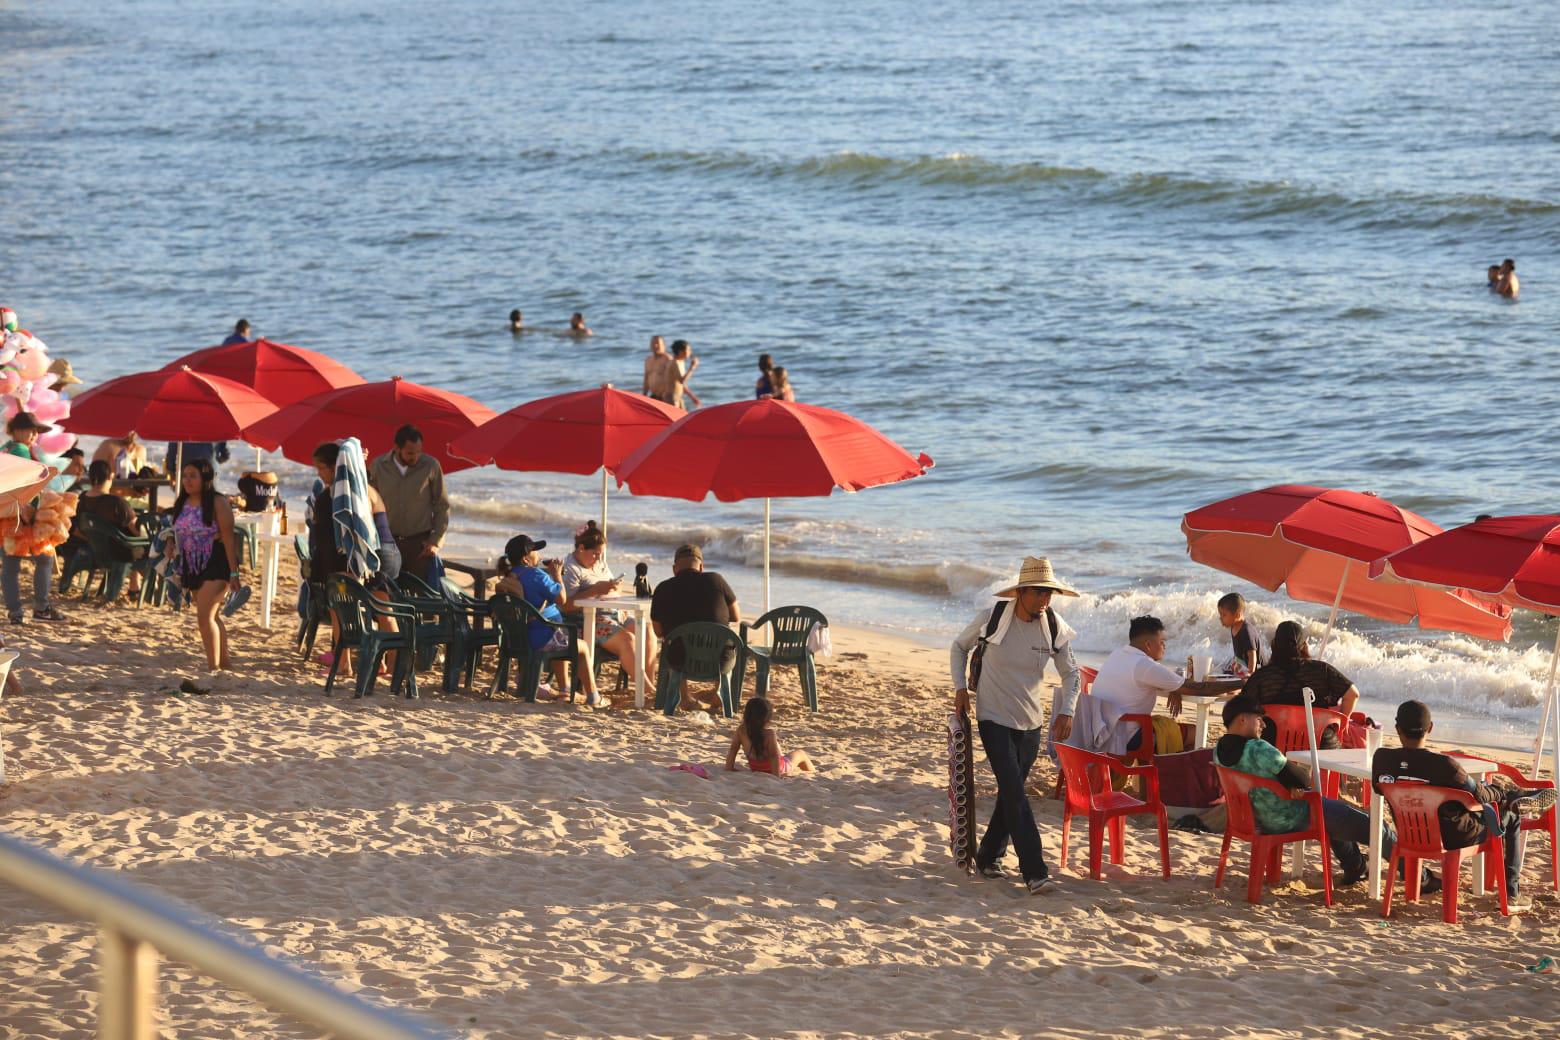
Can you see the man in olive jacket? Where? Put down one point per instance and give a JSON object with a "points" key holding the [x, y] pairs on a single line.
{"points": [[412, 485]]}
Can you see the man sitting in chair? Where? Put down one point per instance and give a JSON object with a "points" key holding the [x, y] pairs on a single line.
{"points": [[692, 594], [1243, 750], [1505, 802], [1132, 678]]}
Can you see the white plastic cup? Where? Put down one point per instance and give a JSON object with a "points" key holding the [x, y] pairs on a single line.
{"points": [[1201, 666], [1372, 741]]}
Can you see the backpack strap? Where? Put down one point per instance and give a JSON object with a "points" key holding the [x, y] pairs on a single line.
{"points": [[1050, 620], [996, 619]]}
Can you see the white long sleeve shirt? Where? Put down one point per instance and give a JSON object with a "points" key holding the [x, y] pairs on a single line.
{"points": [[1013, 671]]}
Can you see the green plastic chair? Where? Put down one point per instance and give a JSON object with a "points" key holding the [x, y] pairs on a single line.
{"points": [[468, 618], [356, 611], [314, 608], [108, 544], [511, 617], [703, 643], [789, 628], [244, 535]]}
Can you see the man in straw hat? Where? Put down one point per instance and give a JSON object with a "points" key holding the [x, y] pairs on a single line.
{"points": [[1016, 639]]}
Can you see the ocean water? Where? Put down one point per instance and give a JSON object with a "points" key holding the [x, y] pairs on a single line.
{"points": [[1104, 261]]}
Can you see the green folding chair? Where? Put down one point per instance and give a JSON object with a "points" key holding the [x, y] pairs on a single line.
{"points": [[356, 611], [789, 629], [109, 547], [511, 617], [703, 644]]}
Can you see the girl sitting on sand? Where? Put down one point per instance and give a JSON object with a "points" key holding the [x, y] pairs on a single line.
{"points": [[761, 744]]}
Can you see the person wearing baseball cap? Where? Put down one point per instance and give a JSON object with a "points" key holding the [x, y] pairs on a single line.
{"points": [[1243, 750], [692, 594], [1503, 805], [538, 584]]}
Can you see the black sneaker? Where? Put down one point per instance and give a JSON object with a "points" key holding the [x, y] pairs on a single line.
{"points": [[992, 872], [1429, 884], [48, 614], [17, 618], [1043, 886], [1352, 876]]}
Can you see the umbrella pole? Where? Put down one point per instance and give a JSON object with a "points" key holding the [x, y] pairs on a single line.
{"points": [[1549, 707], [1332, 617], [766, 556], [603, 502]]}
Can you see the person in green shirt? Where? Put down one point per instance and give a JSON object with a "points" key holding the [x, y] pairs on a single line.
{"points": [[1243, 749], [24, 430]]}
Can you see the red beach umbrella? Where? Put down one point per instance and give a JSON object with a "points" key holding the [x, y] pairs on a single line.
{"points": [[279, 371], [372, 412], [1512, 559], [1319, 543], [579, 432], [169, 404], [766, 449]]}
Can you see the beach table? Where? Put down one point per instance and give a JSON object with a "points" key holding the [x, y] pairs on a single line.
{"points": [[481, 572], [267, 529], [151, 485], [1202, 705], [640, 608], [1355, 762]]}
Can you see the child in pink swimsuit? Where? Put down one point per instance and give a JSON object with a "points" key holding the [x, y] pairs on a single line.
{"points": [[757, 740]]}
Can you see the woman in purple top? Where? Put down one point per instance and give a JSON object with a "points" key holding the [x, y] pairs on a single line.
{"points": [[203, 529]]}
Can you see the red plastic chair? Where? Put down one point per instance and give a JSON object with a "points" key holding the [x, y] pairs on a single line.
{"points": [[1545, 823], [1291, 736], [1416, 813], [1089, 793], [1267, 849]]}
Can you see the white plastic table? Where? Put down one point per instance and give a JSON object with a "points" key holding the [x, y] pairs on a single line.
{"points": [[1203, 704], [640, 608], [1355, 762], [267, 527]]}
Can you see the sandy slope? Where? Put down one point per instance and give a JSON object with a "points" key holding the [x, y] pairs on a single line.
{"points": [[517, 870]]}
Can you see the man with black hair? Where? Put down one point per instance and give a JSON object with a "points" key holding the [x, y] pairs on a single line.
{"points": [[1132, 679], [1250, 651], [241, 333], [412, 484], [1504, 804], [1508, 286], [1243, 750]]}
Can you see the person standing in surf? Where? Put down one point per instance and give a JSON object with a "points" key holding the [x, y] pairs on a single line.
{"points": [[1015, 640]]}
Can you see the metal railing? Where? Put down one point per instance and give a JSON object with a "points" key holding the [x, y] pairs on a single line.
{"points": [[135, 925]]}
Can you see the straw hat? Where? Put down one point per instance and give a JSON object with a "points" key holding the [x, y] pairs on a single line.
{"points": [[64, 375], [1036, 573]]}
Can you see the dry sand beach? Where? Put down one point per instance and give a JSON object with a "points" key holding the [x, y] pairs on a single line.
{"points": [[512, 870]]}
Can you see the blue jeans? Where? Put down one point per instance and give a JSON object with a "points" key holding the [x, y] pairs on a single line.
{"points": [[1505, 823], [1012, 753], [11, 582], [1348, 828]]}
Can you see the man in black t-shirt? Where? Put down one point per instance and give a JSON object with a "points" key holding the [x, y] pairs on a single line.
{"points": [[1460, 828], [691, 594]]}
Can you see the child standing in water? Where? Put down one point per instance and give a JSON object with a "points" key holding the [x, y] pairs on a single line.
{"points": [[757, 740]]}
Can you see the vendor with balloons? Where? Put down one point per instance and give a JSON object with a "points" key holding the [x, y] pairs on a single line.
{"points": [[34, 531]]}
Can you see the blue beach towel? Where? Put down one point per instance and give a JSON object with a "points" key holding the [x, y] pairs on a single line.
{"points": [[352, 514]]}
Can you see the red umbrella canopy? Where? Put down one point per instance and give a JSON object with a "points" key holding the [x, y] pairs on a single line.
{"points": [[578, 432], [372, 412], [169, 404], [1319, 543], [766, 449], [279, 371], [1513, 559]]}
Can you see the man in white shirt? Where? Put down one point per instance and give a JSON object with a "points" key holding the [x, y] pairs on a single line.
{"points": [[1020, 638], [1132, 678]]}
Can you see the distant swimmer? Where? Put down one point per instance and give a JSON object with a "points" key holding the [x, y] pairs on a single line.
{"points": [[517, 321], [1509, 286], [1493, 273], [577, 326]]}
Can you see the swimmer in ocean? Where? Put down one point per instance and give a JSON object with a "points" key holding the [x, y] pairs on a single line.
{"points": [[1509, 286], [577, 326], [517, 322]]}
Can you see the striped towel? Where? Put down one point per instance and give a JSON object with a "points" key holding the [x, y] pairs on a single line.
{"points": [[352, 514]]}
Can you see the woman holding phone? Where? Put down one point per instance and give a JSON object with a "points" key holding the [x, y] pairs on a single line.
{"points": [[585, 576]]}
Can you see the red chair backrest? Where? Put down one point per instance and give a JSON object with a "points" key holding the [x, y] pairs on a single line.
{"points": [[1087, 774], [1089, 675], [1416, 812], [1237, 799], [1290, 720]]}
